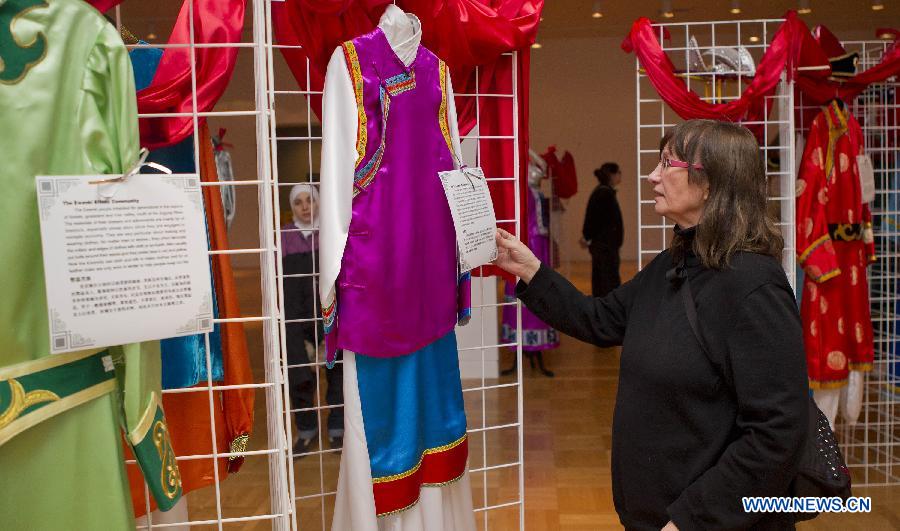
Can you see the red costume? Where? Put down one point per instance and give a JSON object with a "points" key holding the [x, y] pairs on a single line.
{"points": [[834, 245]]}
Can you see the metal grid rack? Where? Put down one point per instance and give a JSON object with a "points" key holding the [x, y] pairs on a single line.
{"points": [[872, 446], [278, 149], [218, 506], [493, 407], [654, 118]]}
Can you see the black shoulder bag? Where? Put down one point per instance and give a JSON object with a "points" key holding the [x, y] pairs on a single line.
{"points": [[822, 471]]}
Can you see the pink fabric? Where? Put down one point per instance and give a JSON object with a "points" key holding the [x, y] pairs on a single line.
{"points": [[389, 308], [215, 22], [104, 5]]}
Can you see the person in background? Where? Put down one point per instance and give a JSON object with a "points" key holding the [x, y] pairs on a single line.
{"points": [[299, 243], [603, 230], [694, 433]]}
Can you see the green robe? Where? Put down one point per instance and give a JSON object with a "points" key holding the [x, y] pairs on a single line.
{"points": [[68, 107]]}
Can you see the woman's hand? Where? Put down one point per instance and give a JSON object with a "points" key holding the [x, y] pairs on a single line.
{"points": [[515, 257]]}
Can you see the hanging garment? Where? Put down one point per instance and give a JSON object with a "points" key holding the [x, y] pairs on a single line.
{"points": [[536, 335], [184, 361], [390, 283], [562, 173], [834, 245], [232, 411], [183, 358], [68, 108]]}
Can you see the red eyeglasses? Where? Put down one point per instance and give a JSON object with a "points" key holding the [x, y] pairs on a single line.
{"points": [[669, 163]]}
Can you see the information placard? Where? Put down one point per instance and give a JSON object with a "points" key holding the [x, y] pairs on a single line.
{"points": [[473, 215], [124, 261]]}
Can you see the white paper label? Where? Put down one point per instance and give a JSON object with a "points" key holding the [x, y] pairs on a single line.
{"points": [[866, 178], [124, 262], [473, 216]]}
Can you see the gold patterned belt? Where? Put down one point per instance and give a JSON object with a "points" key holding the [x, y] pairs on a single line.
{"points": [[35, 391], [847, 232]]}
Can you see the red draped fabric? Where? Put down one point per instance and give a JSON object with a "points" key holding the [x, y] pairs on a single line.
{"points": [[317, 27], [792, 48], [104, 5], [497, 154], [791, 44], [465, 34], [214, 22]]}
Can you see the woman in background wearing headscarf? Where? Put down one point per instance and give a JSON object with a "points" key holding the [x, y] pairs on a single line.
{"points": [[299, 242]]}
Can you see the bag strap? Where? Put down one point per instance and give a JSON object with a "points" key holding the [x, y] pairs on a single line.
{"points": [[690, 308]]}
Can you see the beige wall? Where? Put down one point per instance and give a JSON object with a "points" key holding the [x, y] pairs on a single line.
{"points": [[582, 100]]}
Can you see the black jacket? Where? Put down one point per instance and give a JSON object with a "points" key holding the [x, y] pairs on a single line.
{"points": [[603, 219], [686, 447]]}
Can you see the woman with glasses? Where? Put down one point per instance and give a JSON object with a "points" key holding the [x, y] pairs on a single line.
{"points": [[693, 434]]}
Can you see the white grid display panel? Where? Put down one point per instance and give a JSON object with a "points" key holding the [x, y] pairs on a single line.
{"points": [[655, 118], [872, 446], [262, 479], [493, 407]]}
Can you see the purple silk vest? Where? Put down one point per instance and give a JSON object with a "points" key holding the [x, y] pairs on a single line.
{"points": [[399, 288]]}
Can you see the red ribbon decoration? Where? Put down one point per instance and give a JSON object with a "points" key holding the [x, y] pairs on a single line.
{"points": [[465, 34], [792, 48], [791, 42], [215, 22]]}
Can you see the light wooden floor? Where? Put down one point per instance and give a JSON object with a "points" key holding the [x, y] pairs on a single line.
{"points": [[567, 442]]}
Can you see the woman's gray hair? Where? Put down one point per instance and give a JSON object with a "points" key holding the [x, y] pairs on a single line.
{"points": [[735, 217]]}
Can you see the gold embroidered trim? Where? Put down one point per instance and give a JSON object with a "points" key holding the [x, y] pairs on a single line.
{"points": [[356, 76], [865, 367], [397, 511], [32, 419], [20, 401], [143, 426], [239, 445], [433, 485], [827, 276], [834, 133], [833, 384], [812, 247], [414, 469], [169, 475], [445, 483], [48, 362], [443, 118]]}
